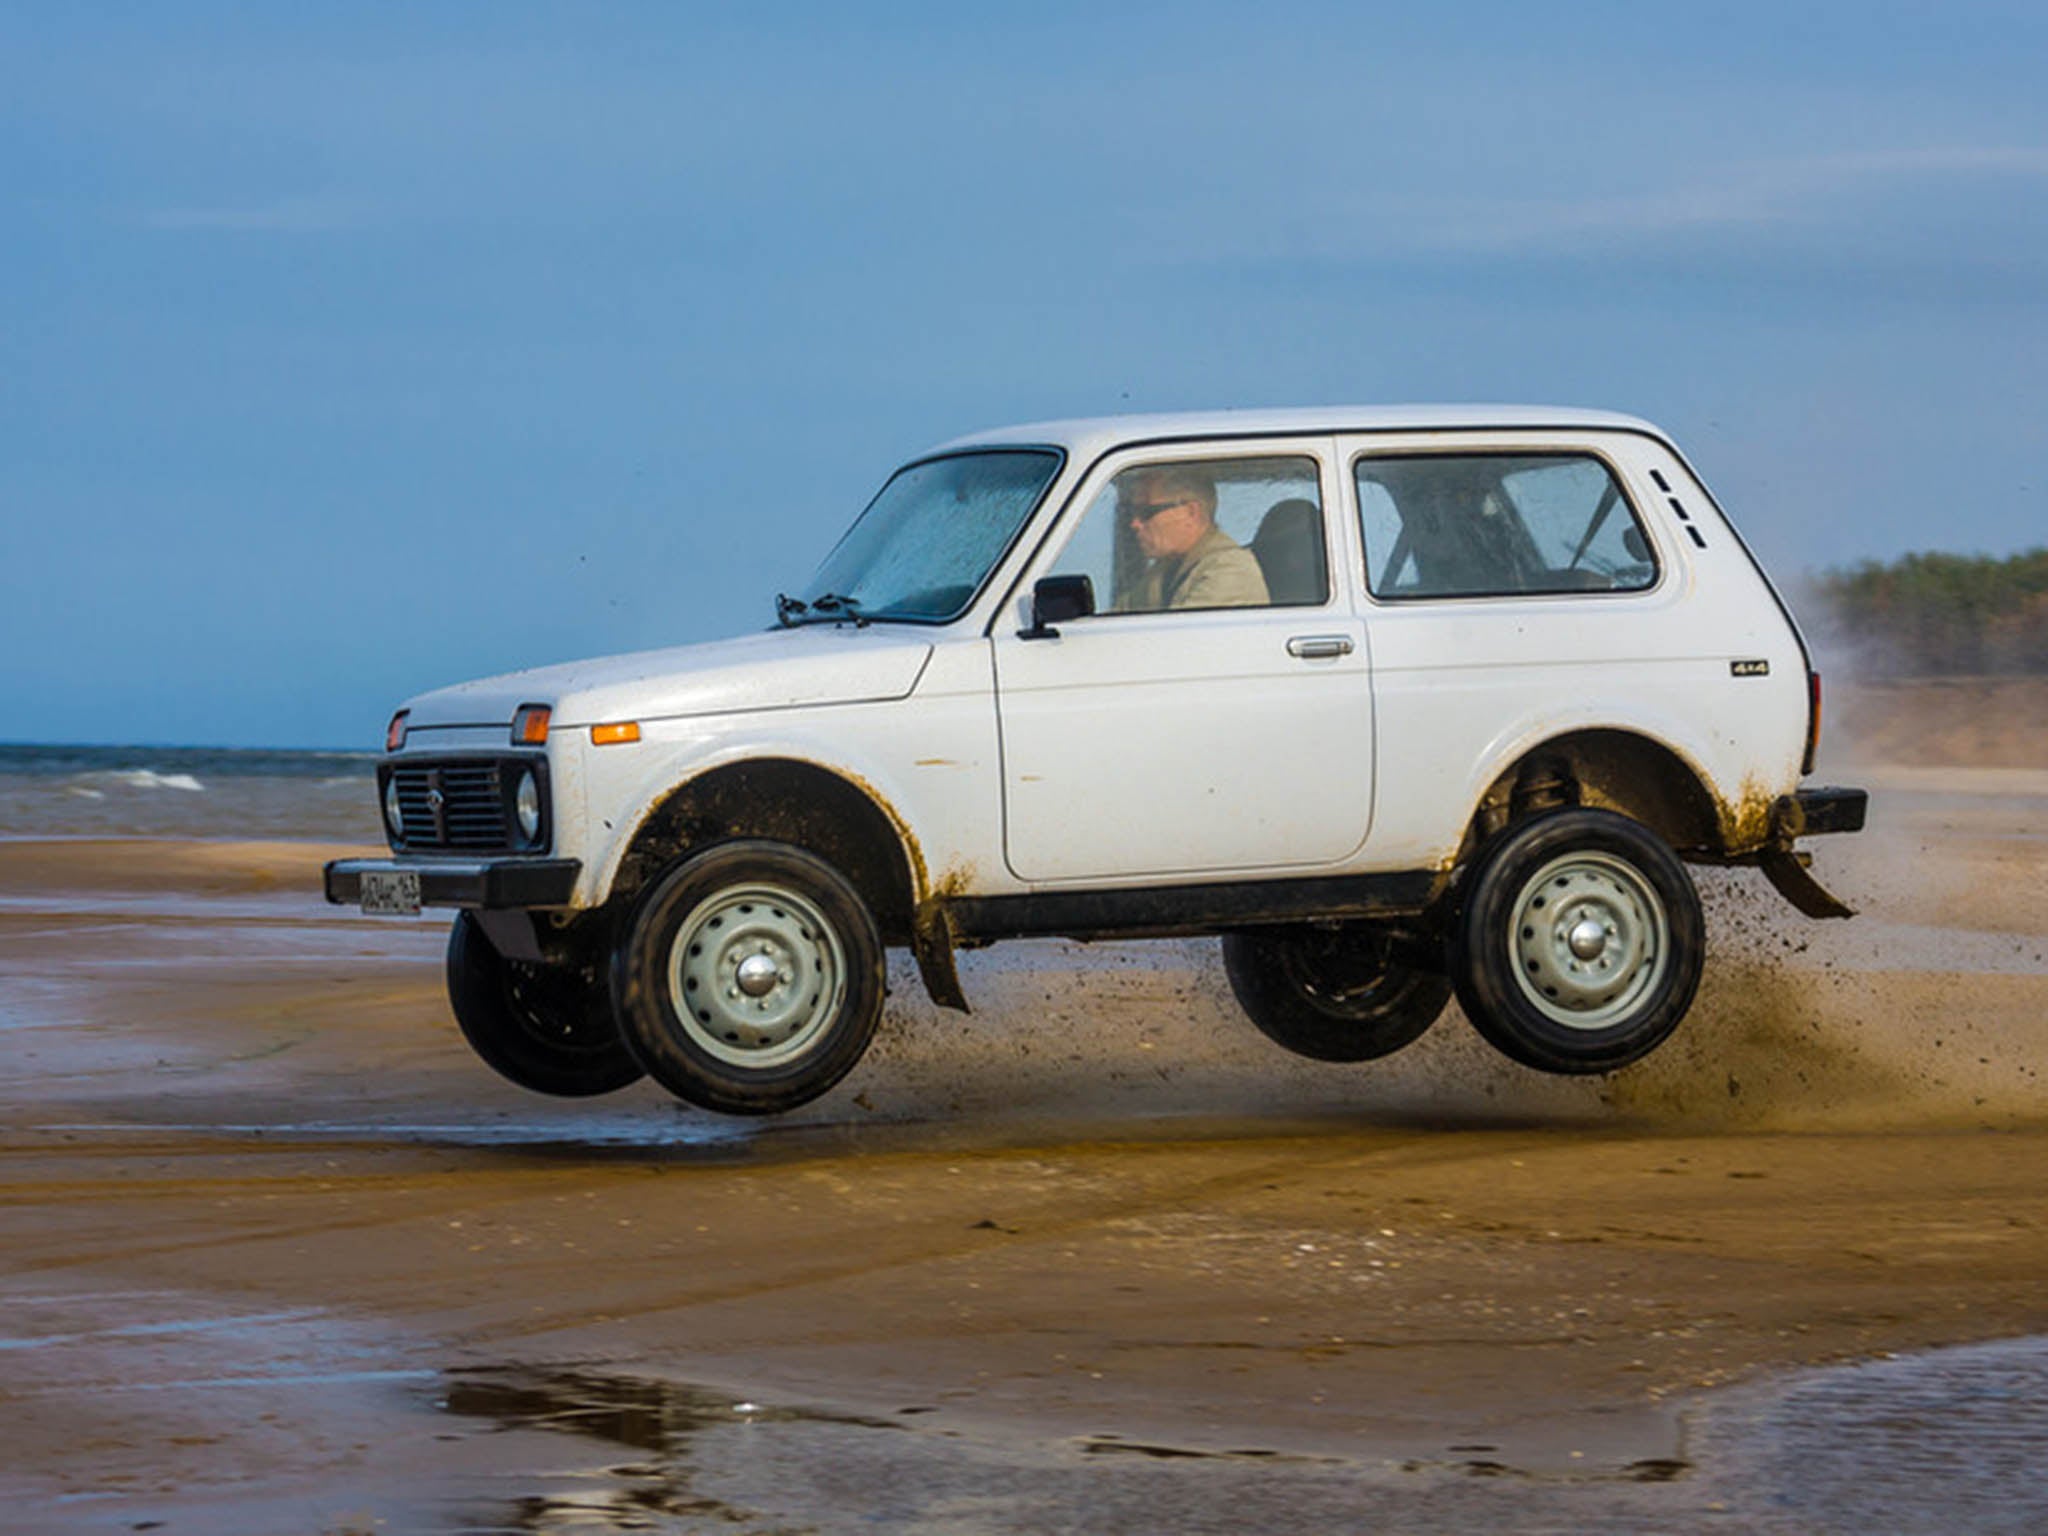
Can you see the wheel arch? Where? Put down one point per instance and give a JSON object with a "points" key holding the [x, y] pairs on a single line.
{"points": [[1614, 769], [787, 800]]}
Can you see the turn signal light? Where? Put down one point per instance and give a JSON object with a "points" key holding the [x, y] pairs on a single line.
{"points": [[530, 725], [613, 734], [394, 733]]}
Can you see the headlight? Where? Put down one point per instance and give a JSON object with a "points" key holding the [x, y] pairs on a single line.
{"points": [[526, 805], [394, 813]]}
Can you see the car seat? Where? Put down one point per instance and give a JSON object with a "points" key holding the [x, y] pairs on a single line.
{"points": [[1289, 549]]}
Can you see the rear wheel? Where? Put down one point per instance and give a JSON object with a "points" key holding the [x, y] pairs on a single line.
{"points": [[751, 978], [1580, 943], [1336, 996], [548, 1028]]}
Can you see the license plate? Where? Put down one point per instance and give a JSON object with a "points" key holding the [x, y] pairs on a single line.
{"points": [[392, 892]]}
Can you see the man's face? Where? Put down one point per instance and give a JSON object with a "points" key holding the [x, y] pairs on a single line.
{"points": [[1166, 520]]}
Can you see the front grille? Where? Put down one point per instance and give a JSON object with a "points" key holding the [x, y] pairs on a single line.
{"points": [[463, 804]]}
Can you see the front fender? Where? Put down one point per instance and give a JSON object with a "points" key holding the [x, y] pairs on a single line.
{"points": [[624, 794]]}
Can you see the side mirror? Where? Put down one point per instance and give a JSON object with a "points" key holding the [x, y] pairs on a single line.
{"points": [[1056, 599]]}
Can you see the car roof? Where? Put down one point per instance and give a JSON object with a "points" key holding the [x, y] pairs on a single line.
{"points": [[1088, 436]]}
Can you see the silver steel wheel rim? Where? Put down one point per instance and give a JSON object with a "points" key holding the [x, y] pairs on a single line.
{"points": [[1590, 940], [756, 975]]}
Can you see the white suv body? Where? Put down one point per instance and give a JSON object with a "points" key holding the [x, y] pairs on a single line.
{"points": [[1466, 619]]}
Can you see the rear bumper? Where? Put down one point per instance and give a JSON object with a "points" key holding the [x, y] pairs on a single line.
{"points": [[488, 883], [1811, 812]]}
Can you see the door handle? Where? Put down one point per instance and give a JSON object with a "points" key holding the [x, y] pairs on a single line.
{"points": [[1313, 647]]}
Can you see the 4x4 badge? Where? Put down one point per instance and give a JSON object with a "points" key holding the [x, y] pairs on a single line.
{"points": [[1759, 668]]}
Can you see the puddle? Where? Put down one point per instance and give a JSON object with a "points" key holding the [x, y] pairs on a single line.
{"points": [[1114, 1445], [1935, 1443], [195, 906], [657, 1420], [39, 1002], [237, 1323], [1932, 1444], [245, 1423], [592, 1132], [132, 1408]]}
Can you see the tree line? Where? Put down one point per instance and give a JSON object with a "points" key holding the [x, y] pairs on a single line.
{"points": [[1938, 615]]}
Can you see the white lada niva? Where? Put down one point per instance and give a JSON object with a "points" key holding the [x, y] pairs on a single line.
{"points": [[1397, 702]]}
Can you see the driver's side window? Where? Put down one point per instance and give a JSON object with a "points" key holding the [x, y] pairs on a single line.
{"points": [[1204, 533]]}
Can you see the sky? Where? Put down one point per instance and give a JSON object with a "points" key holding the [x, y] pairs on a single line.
{"points": [[348, 351]]}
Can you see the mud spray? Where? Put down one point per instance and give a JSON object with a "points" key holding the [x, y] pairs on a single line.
{"points": [[1926, 1009]]}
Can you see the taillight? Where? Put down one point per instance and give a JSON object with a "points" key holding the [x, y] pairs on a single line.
{"points": [[1812, 722]]}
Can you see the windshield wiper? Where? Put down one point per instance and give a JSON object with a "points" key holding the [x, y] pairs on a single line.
{"points": [[836, 605], [825, 608]]}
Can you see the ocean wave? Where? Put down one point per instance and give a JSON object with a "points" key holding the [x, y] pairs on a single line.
{"points": [[142, 778]]}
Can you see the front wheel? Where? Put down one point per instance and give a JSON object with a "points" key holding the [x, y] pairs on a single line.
{"points": [[548, 1028], [1335, 996], [1580, 943], [751, 978]]}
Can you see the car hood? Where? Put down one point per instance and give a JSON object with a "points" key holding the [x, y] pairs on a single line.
{"points": [[780, 669]]}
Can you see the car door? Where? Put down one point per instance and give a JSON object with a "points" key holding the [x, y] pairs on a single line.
{"points": [[1514, 591], [1206, 722]]}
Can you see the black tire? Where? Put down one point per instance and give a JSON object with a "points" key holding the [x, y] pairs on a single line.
{"points": [[1337, 996], [548, 1028], [693, 1018], [1579, 944]]}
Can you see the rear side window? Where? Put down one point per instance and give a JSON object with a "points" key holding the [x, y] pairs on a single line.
{"points": [[1498, 525]]}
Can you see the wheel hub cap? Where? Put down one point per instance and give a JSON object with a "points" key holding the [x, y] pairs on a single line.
{"points": [[755, 975], [1587, 939], [1590, 939], [758, 973]]}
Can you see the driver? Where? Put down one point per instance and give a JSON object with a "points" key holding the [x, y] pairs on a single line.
{"points": [[1189, 561]]}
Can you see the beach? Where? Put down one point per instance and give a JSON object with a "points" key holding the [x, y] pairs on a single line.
{"points": [[277, 1254]]}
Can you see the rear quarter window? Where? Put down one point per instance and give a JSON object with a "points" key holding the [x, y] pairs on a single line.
{"points": [[1498, 525]]}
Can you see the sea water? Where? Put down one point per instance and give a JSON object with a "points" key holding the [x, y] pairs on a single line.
{"points": [[210, 792]]}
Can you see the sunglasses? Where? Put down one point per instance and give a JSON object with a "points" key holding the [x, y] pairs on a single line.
{"points": [[1145, 511]]}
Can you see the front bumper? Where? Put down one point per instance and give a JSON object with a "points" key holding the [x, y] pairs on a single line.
{"points": [[487, 883]]}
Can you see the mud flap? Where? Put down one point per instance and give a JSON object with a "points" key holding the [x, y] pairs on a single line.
{"points": [[1794, 881], [931, 940], [510, 932]]}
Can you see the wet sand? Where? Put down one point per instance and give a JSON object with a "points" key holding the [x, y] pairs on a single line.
{"points": [[276, 1254]]}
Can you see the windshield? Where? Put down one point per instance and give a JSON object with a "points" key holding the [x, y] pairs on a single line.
{"points": [[929, 540]]}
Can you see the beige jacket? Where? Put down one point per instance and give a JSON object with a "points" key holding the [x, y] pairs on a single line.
{"points": [[1218, 572]]}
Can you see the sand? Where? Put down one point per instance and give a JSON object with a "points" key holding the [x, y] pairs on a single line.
{"points": [[1976, 722], [278, 1254]]}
